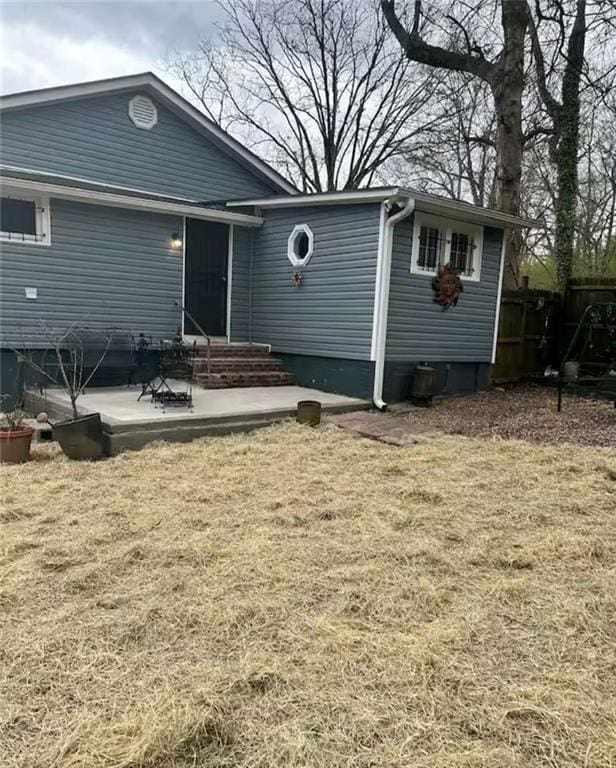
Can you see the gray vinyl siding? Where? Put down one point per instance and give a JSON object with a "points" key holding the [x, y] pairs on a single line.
{"points": [[105, 267], [419, 329], [330, 315], [94, 138], [240, 284]]}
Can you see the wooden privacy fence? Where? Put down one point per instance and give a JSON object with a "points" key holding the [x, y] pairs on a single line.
{"points": [[536, 326], [527, 334]]}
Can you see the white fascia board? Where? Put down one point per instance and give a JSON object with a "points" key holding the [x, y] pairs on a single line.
{"points": [[76, 91], [95, 183], [325, 198], [467, 211], [150, 82], [132, 203], [423, 202]]}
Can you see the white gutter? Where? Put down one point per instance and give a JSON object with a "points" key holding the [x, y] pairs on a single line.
{"points": [[128, 201], [499, 294], [424, 202], [344, 197], [386, 240]]}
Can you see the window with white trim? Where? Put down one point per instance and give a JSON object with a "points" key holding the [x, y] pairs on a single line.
{"points": [[300, 245], [24, 219], [439, 241]]}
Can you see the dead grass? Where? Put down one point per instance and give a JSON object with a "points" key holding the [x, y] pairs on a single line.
{"points": [[308, 598]]}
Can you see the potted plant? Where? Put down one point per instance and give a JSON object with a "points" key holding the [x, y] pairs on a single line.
{"points": [[70, 362], [15, 438]]}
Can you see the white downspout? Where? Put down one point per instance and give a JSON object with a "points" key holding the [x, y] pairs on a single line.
{"points": [[384, 258], [499, 297]]}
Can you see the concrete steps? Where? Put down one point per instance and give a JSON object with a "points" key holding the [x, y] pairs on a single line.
{"points": [[239, 365]]}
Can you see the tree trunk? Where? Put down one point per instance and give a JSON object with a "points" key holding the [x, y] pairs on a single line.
{"points": [[568, 128], [566, 207], [507, 86]]}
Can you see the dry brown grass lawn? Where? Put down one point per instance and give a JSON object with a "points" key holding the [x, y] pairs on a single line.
{"points": [[308, 598]]}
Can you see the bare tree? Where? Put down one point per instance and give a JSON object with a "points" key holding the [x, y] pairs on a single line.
{"points": [[68, 361], [457, 157], [559, 32], [596, 234], [500, 65], [318, 86]]}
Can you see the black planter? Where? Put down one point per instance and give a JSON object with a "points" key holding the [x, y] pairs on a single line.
{"points": [[81, 439]]}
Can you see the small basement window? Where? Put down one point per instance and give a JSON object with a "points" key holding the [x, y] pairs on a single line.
{"points": [[300, 246], [438, 241], [24, 219]]}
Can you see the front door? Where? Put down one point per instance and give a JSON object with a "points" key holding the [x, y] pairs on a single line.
{"points": [[205, 277]]}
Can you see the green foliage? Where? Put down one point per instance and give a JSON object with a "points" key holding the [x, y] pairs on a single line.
{"points": [[542, 274]]}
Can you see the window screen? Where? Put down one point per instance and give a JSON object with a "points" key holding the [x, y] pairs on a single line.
{"points": [[429, 242], [18, 216], [460, 257]]}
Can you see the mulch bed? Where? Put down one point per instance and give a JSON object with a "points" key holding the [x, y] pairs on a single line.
{"points": [[522, 413]]}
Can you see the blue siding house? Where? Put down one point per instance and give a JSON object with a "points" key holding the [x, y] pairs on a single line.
{"points": [[121, 202]]}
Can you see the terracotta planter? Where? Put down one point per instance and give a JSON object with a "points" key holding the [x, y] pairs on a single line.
{"points": [[15, 445]]}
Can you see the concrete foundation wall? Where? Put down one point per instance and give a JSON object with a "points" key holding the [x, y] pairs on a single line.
{"points": [[452, 378], [331, 374]]}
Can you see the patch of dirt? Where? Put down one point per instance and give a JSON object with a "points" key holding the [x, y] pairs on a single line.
{"points": [[521, 413]]}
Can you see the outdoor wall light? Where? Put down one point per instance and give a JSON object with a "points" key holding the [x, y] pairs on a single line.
{"points": [[176, 240]]}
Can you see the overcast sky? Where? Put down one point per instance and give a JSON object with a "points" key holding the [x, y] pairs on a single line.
{"points": [[54, 42]]}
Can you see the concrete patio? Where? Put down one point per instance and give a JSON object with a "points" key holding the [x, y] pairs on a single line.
{"points": [[130, 423]]}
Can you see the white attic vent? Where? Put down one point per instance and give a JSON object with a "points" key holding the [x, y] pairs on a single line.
{"points": [[142, 111]]}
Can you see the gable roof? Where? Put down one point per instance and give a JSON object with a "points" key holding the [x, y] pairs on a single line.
{"points": [[150, 83]]}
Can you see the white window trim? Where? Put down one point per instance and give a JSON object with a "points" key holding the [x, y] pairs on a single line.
{"points": [[293, 258], [447, 226], [43, 219]]}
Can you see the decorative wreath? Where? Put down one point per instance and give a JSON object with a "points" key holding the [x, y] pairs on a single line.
{"points": [[447, 286]]}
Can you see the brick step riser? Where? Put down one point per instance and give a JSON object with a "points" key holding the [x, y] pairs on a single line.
{"points": [[256, 375], [232, 352], [221, 381], [220, 366], [241, 385]]}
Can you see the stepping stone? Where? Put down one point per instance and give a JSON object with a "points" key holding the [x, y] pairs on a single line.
{"points": [[382, 427]]}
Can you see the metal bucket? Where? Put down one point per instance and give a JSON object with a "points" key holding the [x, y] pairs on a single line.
{"points": [[423, 388], [309, 412]]}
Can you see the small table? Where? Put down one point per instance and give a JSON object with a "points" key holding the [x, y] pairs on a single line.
{"points": [[170, 357]]}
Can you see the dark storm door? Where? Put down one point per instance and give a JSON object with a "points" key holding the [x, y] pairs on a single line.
{"points": [[205, 277]]}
